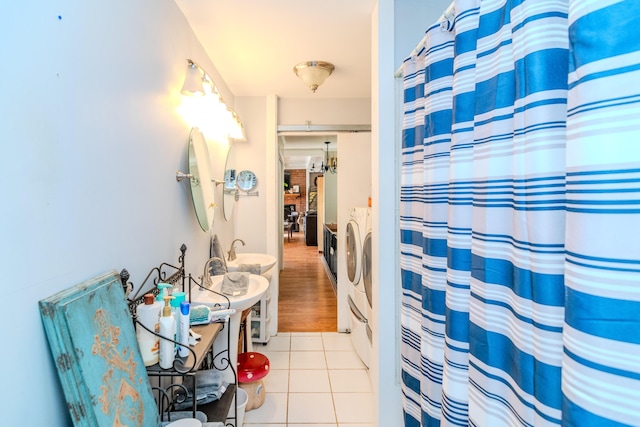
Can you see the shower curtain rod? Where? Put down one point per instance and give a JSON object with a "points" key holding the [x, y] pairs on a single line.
{"points": [[449, 13]]}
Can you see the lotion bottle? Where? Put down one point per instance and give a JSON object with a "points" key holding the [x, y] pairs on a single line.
{"points": [[183, 332], [167, 329], [148, 314]]}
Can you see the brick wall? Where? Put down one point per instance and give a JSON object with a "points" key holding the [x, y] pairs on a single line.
{"points": [[299, 178]]}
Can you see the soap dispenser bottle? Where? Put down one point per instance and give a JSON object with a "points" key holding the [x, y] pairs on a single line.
{"points": [[168, 330], [162, 291]]}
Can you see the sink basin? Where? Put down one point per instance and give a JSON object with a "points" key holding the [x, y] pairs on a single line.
{"points": [[258, 285], [266, 261]]}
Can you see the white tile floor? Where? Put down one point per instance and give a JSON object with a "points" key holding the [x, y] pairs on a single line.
{"points": [[316, 380]]}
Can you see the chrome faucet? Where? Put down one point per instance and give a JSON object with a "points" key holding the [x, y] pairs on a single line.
{"points": [[206, 277], [232, 251]]}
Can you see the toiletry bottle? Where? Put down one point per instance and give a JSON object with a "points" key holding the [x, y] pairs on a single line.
{"points": [[148, 313], [167, 329], [183, 333], [162, 291], [178, 298]]}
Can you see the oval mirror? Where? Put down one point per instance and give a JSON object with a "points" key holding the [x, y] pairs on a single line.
{"points": [[201, 185], [229, 183], [246, 181]]}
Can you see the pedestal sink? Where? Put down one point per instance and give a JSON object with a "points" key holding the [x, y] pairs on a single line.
{"points": [[266, 261], [258, 285]]}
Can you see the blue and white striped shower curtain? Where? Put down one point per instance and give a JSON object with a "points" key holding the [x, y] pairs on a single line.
{"points": [[520, 216]]}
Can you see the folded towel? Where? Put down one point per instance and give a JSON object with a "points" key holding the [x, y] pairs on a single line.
{"points": [[235, 283], [250, 268], [209, 387], [199, 314]]}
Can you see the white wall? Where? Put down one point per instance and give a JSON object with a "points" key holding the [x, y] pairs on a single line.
{"points": [[324, 111], [354, 187], [90, 143], [250, 211], [412, 18], [331, 191], [397, 26], [254, 216], [384, 371]]}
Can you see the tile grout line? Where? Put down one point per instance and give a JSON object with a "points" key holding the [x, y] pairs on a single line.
{"points": [[326, 370], [333, 400]]}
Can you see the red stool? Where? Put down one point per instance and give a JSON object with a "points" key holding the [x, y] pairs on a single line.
{"points": [[252, 368]]}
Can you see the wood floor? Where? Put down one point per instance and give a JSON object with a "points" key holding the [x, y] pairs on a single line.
{"points": [[307, 302]]}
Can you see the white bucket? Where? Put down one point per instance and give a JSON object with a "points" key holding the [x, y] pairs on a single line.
{"points": [[243, 398], [186, 422]]}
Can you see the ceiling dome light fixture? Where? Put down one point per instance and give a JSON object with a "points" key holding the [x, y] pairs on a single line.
{"points": [[313, 73]]}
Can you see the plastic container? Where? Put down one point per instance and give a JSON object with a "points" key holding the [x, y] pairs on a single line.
{"points": [[178, 298], [167, 329], [185, 422], [183, 330], [243, 398], [148, 314], [163, 291]]}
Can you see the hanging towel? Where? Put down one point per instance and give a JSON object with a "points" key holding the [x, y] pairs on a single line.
{"points": [[235, 283], [215, 251], [217, 267], [250, 268]]}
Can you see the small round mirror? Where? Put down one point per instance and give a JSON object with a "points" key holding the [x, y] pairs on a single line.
{"points": [[246, 181], [229, 184], [201, 185]]}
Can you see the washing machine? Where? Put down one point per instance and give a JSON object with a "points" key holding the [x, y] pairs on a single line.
{"points": [[359, 307]]}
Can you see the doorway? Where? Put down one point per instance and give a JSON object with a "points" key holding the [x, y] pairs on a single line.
{"points": [[306, 301]]}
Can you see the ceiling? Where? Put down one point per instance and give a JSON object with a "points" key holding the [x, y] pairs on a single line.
{"points": [[254, 45]]}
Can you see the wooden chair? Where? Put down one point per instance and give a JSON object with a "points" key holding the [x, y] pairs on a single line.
{"points": [[288, 229], [290, 224]]}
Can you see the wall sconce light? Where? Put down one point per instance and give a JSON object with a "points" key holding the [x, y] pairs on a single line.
{"points": [[313, 73], [192, 85], [211, 114], [330, 164], [237, 128]]}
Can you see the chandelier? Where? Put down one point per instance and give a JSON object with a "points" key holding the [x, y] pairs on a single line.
{"points": [[329, 164]]}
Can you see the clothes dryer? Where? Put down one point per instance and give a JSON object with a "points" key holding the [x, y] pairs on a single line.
{"points": [[361, 336]]}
